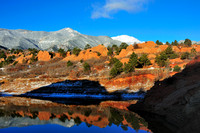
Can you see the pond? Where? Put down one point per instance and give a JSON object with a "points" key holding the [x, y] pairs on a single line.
{"points": [[18, 114]]}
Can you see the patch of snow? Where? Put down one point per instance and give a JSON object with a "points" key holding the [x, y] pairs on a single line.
{"points": [[127, 39]]}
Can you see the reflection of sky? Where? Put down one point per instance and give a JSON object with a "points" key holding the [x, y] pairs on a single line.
{"points": [[82, 128]]}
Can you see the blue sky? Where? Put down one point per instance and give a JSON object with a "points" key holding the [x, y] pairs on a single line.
{"points": [[146, 20]]}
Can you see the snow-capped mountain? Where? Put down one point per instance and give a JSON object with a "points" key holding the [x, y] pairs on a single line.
{"points": [[127, 39], [66, 38]]}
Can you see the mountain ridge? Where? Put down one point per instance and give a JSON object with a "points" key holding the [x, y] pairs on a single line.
{"points": [[66, 38]]}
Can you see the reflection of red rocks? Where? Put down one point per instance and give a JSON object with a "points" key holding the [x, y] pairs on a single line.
{"points": [[98, 115], [44, 115]]}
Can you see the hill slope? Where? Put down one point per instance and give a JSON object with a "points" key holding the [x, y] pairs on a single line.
{"points": [[65, 38]]}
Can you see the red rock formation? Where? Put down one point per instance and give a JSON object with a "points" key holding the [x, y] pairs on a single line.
{"points": [[149, 44], [44, 115], [135, 82], [101, 49], [44, 56]]}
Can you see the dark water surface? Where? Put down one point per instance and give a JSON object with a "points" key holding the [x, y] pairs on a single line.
{"points": [[71, 106], [25, 115]]}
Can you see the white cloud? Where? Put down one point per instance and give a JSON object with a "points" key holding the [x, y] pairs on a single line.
{"points": [[113, 6]]}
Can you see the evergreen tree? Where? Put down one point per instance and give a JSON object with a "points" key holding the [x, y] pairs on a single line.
{"points": [[62, 52], [175, 43], [110, 51], [167, 43], [193, 52], [161, 59], [76, 51], [177, 68], [144, 61], [188, 42], [170, 53], [133, 62], [86, 67], [159, 43], [123, 46], [69, 63], [2, 54], [87, 46], [117, 69], [185, 55]]}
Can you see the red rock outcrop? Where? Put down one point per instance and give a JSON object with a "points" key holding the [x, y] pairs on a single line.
{"points": [[43, 56], [149, 44], [24, 59], [134, 83], [101, 49], [44, 115], [83, 55]]}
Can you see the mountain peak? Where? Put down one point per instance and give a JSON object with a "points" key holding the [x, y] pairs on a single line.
{"points": [[70, 30], [127, 39]]}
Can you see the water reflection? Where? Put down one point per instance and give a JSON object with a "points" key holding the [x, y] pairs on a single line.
{"points": [[107, 115]]}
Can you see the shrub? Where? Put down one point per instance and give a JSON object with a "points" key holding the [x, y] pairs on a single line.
{"points": [[170, 53], [69, 63], [133, 62], [2, 54], [117, 69], [193, 52], [76, 51], [159, 43], [177, 68], [175, 43], [128, 68], [62, 52], [33, 51], [188, 42], [110, 51], [167, 43], [98, 53], [116, 49], [123, 46], [10, 59], [144, 61], [113, 61], [161, 59], [86, 67], [87, 46], [33, 59], [185, 55], [15, 51]]}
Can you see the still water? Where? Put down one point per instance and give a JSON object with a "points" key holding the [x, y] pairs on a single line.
{"points": [[25, 115]]}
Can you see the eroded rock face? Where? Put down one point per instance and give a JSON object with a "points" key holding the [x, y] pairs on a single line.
{"points": [[24, 59], [44, 56], [177, 99]]}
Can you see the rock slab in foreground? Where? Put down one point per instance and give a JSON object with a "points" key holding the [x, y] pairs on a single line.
{"points": [[175, 101]]}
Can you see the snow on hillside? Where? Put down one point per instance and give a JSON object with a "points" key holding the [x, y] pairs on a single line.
{"points": [[127, 39]]}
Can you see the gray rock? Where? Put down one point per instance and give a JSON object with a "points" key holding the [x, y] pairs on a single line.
{"points": [[66, 38]]}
